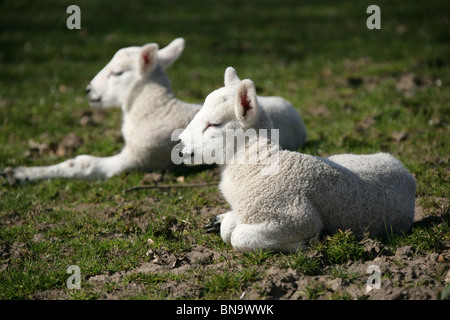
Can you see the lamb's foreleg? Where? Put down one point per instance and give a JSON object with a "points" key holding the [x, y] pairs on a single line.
{"points": [[249, 237], [285, 236], [84, 167], [224, 224], [213, 226], [227, 226]]}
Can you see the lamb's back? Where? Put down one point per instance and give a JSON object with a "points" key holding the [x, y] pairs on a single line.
{"points": [[373, 193]]}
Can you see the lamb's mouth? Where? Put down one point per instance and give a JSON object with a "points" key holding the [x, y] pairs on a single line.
{"points": [[189, 160], [95, 102]]}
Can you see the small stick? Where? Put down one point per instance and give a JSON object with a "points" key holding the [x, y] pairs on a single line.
{"points": [[169, 186]]}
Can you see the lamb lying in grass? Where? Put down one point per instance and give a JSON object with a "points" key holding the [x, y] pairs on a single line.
{"points": [[135, 79], [301, 196]]}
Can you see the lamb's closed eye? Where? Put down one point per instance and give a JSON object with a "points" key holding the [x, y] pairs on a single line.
{"points": [[117, 73], [213, 125]]}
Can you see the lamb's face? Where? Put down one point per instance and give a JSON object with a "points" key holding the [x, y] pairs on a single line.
{"points": [[108, 87], [113, 83], [224, 112], [206, 132]]}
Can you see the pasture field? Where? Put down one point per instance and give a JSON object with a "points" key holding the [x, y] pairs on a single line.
{"points": [[358, 90]]}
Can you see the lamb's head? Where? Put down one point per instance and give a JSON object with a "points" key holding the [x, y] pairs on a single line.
{"points": [[230, 110], [111, 86]]}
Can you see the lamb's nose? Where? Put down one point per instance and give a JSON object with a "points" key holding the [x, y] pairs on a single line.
{"points": [[88, 88], [185, 153]]}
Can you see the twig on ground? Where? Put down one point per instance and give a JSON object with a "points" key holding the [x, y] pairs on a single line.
{"points": [[170, 186]]}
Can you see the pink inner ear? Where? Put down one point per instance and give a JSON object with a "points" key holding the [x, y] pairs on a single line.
{"points": [[245, 102], [146, 57]]}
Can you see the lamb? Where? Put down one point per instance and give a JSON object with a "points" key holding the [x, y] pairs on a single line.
{"points": [[301, 197], [135, 79]]}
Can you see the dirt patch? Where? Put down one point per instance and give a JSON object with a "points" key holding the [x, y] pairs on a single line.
{"points": [[405, 275], [66, 147]]}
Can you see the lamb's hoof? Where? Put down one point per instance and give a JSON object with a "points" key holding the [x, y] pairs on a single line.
{"points": [[9, 174], [213, 225]]}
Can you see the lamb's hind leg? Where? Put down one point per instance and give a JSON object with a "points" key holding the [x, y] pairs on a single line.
{"points": [[84, 167]]}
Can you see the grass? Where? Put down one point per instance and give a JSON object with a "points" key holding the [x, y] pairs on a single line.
{"points": [[303, 263], [426, 240], [350, 84], [341, 247], [227, 284], [314, 290]]}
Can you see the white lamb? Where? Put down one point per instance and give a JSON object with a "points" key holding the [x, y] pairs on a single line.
{"points": [[135, 79], [301, 196]]}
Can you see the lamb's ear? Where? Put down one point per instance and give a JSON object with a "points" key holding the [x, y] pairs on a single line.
{"points": [[148, 57], [171, 52], [246, 108], [231, 77]]}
